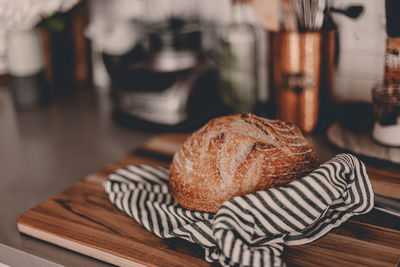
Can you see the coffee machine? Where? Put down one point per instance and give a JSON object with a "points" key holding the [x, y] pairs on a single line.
{"points": [[168, 81]]}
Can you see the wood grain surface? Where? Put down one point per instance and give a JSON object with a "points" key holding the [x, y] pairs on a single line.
{"points": [[83, 220]]}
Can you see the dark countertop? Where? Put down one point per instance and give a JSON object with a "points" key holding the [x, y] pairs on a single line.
{"points": [[45, 151]]}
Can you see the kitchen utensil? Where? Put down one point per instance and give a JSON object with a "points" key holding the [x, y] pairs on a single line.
{"points": [[351, 11], [302, 69], [309, 14]]}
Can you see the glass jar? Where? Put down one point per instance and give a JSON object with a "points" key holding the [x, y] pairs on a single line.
{"points": [[238, 63]]}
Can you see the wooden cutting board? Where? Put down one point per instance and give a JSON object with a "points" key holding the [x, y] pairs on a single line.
{"points": [[83, 220]]}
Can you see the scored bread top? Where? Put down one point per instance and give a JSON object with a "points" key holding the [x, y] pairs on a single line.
{"points": [[236, 155]]}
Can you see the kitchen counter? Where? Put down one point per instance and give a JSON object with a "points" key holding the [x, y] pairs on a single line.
{"points": [[45, 151]]}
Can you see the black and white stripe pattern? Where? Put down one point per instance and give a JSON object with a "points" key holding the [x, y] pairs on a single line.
{"points": [[248, 230]]}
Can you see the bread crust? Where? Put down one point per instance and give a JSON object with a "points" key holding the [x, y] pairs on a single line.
{"points": [[237, 155]]}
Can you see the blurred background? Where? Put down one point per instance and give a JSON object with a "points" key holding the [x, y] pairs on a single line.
{"points": [[362, 41], [173, 64]]}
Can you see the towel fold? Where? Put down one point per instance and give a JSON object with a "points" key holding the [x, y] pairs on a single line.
{"points": [[249, 230]]}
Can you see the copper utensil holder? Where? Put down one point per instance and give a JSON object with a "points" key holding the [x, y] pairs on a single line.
{"points": [[302, 69]]}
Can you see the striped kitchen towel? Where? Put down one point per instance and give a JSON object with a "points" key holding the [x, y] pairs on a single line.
{"points": [[249, 230]]}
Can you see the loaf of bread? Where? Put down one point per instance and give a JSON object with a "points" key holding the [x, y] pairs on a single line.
{"points": [[236, 155]]}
